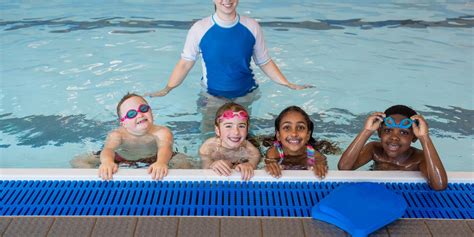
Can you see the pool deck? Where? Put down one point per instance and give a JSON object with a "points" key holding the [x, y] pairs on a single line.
{"points": [[217, 226]]}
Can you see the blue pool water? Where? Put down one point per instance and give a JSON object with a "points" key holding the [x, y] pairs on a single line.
{"points": [[65, 65]]}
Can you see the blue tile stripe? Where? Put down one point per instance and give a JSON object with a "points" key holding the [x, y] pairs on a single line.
{"points": [[205, 198]]}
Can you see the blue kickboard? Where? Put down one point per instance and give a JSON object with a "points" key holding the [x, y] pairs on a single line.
{"points": [[360, 208]]}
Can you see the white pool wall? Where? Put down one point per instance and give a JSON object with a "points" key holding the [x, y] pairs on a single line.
{"points": [[209, 175]]}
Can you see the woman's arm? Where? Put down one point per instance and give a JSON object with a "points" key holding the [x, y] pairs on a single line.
{"points": [[273, 72], [178, 75]]}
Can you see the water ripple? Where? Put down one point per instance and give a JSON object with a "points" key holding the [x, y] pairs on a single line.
{"points": [[317, 24], [41, 130]]}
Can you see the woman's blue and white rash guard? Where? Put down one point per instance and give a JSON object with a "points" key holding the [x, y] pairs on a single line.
{"points": [[226, 53]]}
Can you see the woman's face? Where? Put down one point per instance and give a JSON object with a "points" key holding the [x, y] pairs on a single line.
{"points": [[226, 9], [293, 133]]}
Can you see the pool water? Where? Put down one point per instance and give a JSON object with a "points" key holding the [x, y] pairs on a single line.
{"points": [[65, 65]]}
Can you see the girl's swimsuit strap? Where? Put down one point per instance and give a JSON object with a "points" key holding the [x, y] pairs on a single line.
{"points": [[310, 151]]}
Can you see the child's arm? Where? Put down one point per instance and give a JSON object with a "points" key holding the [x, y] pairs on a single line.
{"points": [[431, 166], [320, 167], [221, 167], [253, 153], [164, 138], [205, 154], [247, 168], [107, 165], [357, 155], [271, 162]]}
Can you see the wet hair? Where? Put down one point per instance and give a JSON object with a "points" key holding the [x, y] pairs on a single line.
{"points": [[230, 106], [322, 146], [126, 97], [400, 109]]}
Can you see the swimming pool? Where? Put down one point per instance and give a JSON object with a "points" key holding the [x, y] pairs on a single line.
{"points": [[64, 66]]}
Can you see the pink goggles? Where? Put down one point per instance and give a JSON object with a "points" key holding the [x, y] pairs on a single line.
{"points": [[229, 114], [143, 108]]}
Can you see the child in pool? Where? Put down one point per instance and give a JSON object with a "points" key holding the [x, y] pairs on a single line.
{"points": [[229, 149], [136, 142], [293, 148], [397, 128]]}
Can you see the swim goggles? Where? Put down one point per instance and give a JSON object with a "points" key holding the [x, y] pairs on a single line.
{"points": [[229, 114], [143, 108], [404, 124]]}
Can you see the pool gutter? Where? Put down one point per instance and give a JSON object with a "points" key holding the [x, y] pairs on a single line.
{"points": [[209, 175]]}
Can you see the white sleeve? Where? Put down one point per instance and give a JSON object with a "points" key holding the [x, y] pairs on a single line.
{"points": [[260, 51], [191, 48]]}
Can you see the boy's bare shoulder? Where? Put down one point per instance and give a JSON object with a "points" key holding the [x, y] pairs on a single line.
{"points": [[117, 133], [160, 130], [115, 137]]}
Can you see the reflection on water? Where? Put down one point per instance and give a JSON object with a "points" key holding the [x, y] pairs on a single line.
{"points": [[327, 24], [42, 130]]}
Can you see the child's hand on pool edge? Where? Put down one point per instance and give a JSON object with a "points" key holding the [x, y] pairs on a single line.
{"points": [[273, 168], [246, 169], [158, 170], [107, 169]]}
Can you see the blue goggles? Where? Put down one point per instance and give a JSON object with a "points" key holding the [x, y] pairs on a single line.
{"points": [[404, 124]]}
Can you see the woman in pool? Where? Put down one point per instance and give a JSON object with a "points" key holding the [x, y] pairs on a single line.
{"points": [[294, 146], [397, 128], [229, 149], [227, 42]]}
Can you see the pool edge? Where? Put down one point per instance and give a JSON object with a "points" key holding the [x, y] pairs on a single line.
{"points": [[209, 175]]}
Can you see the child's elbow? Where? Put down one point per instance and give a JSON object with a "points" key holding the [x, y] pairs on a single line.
{"points": [[342, 166], [439, 186]]}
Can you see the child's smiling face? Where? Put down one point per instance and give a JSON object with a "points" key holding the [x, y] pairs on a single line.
{"points": [[293, 133], [232, 131], [142, 122], [395, 141]]}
